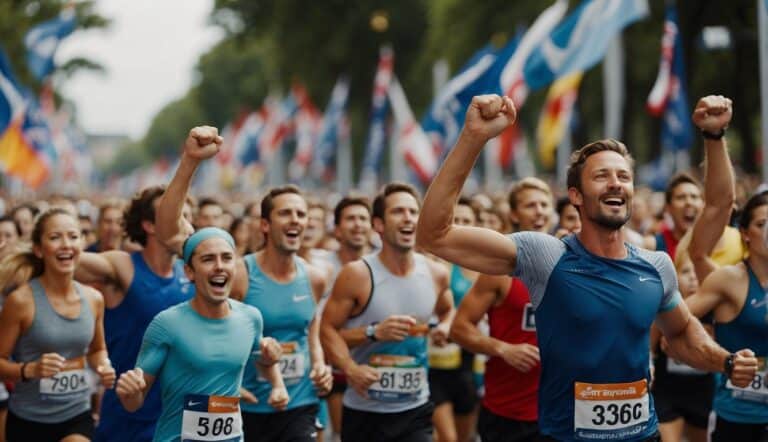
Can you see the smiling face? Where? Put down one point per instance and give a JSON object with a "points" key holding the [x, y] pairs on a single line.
{"points": [[398, 226], [315, 230], [463, 215], [533, 211], [60, 243], [212, 268], [354, 227], [606, 192], [570, 219], [285, 224], [8, 236], [110, 228]]}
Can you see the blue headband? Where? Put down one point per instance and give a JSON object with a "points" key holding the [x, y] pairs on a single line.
{"points": [[201, 235]]}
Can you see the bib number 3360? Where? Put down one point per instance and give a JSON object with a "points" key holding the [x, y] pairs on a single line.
{"points": [[610, 411], [211, 419]]}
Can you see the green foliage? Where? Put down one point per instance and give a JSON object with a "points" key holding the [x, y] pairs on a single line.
{"points": [[170, 126]]}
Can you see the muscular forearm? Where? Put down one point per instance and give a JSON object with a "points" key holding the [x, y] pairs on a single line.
{"points": [[437, 211], [354, 337], [11, 371], [171, 206], [470, 338], [696, 348], [336, 349], [719, 184], [133, 402], [272, 374], [315, 348]]}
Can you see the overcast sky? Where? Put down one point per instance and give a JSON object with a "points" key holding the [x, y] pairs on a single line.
{"points": [[149, 52]]}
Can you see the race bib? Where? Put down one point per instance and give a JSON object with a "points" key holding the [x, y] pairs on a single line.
{"points": [[447, 357], [402, 378], [611, 411], [292, 363], [71, 382], [211, 418], [757, 390], [676, 367]]}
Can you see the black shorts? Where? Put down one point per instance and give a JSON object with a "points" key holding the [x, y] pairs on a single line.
{"points": [[454, 386], [296, 425], [655, 438], [407, 426], [726, 431], [495, 428], [22, 430], [693, 407]]}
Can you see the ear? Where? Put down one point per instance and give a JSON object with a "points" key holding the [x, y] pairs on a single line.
{"points": [[148, 227], [378, 225], [513, 218], [576, 197], [37, 252], [264, 225], [190, 272]]}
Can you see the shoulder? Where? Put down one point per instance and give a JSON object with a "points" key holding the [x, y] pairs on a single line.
{"points": [[440, 271], [20, 301], [316, 272], [93, 296], [727, 276], [249, 311]]}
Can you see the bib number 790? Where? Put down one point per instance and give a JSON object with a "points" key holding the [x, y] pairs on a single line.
{"points": [[221, 426], [613, 414]]}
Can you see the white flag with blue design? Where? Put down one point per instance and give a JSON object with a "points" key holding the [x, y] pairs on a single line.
{"points": [[580, 41]]}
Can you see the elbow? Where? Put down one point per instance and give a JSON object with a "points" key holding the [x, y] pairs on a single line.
{"points": [[428, 239]]}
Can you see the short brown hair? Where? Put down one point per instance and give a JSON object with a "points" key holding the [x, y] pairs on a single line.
{"points": [[267, 203], [110, 203], [579, 157], [379, 206], [680, 178], [526, 184], [141, 208], [349, 201]]}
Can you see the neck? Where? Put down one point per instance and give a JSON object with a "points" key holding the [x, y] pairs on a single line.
{"points": [[398, 262], [348, 254], [600, 241], [57, 283], [158, 258], [304, 253], [277, 264], [208, 309]]}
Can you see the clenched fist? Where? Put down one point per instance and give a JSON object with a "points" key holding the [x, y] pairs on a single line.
{"points": [[202, 143], [488, 116], [713, 113]]}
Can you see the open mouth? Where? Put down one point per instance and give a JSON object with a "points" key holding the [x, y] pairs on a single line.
{"points": [[407, 231], [218, 281], [614, 201], [293, 233], [65, 257]]}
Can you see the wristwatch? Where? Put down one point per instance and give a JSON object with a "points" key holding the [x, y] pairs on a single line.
{"points": [[713, 135], [370, 331], [728, 365]]}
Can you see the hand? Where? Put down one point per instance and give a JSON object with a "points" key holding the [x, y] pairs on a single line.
{"points": [[247, 396], [394, 328], [523, 357], [270, 351], [439, 334], [202, 143], [48, 365], [107, 374], [744, 368], [712, 113], [488, 116], [131, 383], [360, 377], [278, 397], [322, 378]]}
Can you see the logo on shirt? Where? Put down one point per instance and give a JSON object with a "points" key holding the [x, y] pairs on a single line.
{"points": [[299, 298], [193, 403], [644, 279]]}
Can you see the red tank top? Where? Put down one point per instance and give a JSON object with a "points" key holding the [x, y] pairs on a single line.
{"points": [[509, 392]]}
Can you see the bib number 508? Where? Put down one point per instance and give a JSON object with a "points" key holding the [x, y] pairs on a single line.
{"points": [[617, 414], [219, 426]]}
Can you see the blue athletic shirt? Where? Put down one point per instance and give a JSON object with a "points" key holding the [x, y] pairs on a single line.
{"points": [[288, 309], [124, 326], [748, 330], [593, 317], [198, 362]]}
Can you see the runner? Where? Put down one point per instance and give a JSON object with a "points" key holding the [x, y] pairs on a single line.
{"points": [[10, 234], [384, 302], [584, 288], [281, 285], [52, 328], [197, 351], [147, 282]]}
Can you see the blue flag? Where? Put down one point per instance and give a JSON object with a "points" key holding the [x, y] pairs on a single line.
{"points": [[480, 75], [676, 127], [377, 130], [580, 41], [332, 130], [43, 40]]}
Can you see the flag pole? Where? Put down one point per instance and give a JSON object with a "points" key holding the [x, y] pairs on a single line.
{"points": [[762, 17], [613, 85]]}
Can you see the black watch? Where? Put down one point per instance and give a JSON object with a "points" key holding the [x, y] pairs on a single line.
{"points": [[713, 136], [370, 331], [728, 365]]}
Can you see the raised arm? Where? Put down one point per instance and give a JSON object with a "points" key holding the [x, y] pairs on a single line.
{"points": [[478, 249], [712, 115], [202, 143]]}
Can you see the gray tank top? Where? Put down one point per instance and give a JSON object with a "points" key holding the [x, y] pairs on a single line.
{"points": [[403, 365], [66, 395]]}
